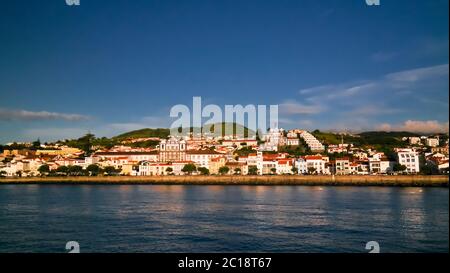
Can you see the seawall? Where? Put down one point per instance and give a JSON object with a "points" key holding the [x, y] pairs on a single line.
{"points": [[348, 180]]}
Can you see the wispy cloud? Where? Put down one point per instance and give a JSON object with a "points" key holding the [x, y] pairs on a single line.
{"points": [[12, 114], [398, 81], [419, 74], [360, 105], [294, 107]]}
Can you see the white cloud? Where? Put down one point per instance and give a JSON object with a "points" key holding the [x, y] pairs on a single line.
{"points": [[10, 114], [428, 126], [415, 75]]}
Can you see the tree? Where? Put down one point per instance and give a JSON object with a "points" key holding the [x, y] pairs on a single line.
{"points": [[311, 170], [37, 144], [169, 170], [398, 167], [62, 169], [237, 171], [44, 169], [84, 143], [252, 170], [2, 173], [110, 170], [19, 173], [189, 168], [75, 170], [294, 170], [93, 169], [224, 170], [203, 170], [429, 169], [245, 151], [273, 170]]}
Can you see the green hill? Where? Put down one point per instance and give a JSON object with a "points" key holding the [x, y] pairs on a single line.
{"points": [[144, 133], [229, 128], [164, 132], [384, 138], [365, 138]]}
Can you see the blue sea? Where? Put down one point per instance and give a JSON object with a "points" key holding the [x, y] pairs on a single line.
{"points": [[160, 218]]}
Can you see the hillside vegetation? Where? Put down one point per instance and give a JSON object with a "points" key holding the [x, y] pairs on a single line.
{"points": [[144, 133], [365, 138]]}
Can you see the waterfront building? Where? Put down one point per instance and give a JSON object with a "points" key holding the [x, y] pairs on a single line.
{"points": [[149, 168], [380, 165], [284, 166], [236, 165], [202, 157], [312, 164], [131, 156], [408, 158], [342, 166], [216, 163]]}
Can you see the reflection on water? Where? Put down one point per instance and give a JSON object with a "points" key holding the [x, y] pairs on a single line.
{"points": [[161, 218]]}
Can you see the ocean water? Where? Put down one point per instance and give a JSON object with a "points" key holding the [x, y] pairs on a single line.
{"points": [[154, 218]]}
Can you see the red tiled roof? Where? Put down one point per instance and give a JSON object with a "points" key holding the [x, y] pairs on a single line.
{"points": [[313, 157], [203, 152]]}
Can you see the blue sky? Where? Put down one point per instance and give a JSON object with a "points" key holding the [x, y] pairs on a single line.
{"points": [[113, 66]]}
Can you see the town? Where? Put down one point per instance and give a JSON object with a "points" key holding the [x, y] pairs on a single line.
{"points": [[154, 152]]}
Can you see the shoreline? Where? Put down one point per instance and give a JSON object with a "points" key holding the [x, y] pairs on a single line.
{"points": [[275, 180]]}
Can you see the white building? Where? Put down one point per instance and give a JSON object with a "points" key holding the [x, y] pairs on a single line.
{"points": [[172, 149], [148, 168], [292, 141], [342, 166], [284, 166], [410, 159], [132, 156], [432, 142], [312, 142], [312, 162], [202, 157], [273, 139], [414, 140], [380, 165]]}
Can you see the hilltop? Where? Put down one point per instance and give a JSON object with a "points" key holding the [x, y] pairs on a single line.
{"points": [[165, 132], [144, 133]]}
